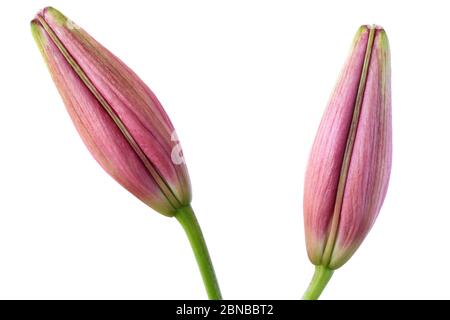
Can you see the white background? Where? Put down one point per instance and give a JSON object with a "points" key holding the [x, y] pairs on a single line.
{"points": [[245, 84]]}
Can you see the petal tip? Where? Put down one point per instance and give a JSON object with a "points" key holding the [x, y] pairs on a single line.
{"points": [[361, 34], [34, 23], [36, 29], [52, 13], [39, 37], [383, 38]]}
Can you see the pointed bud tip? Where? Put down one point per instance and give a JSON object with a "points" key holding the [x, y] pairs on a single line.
{"points": [[374, 26], [54, 13], [368, 27], [380, 34], [37, 24], [379, 29]]}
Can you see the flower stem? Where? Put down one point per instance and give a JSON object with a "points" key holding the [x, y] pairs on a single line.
{"points": [[319, 281], [188, 221]]}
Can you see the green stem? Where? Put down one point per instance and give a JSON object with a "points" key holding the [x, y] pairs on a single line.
{"points": [[319, 281], [188, 221]]}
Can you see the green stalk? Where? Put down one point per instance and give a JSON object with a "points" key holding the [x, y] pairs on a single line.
{"points": [[319, 281], [188, 221]]}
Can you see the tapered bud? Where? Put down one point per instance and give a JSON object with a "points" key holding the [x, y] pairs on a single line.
{"points": [[118, 117], [350, 162]]}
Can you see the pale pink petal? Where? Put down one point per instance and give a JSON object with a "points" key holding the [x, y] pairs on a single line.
{"points": [[133, 104], [323, 170]]}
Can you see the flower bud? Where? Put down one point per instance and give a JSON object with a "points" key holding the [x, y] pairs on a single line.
{"points": [[350, 162], [118, 117]]}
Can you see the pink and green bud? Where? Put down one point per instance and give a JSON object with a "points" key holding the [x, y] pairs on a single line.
{"points": [[350, 162], [118, 117]]}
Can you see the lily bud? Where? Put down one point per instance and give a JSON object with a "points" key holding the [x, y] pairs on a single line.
{"points": [[118, 117], [350, 162]]}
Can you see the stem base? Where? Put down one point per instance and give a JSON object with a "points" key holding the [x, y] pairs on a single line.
{"points": [[319, 281]]}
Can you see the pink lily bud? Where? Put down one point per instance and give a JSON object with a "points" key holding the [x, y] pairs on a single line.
{"points": [[350, 162], [118, 117]]}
